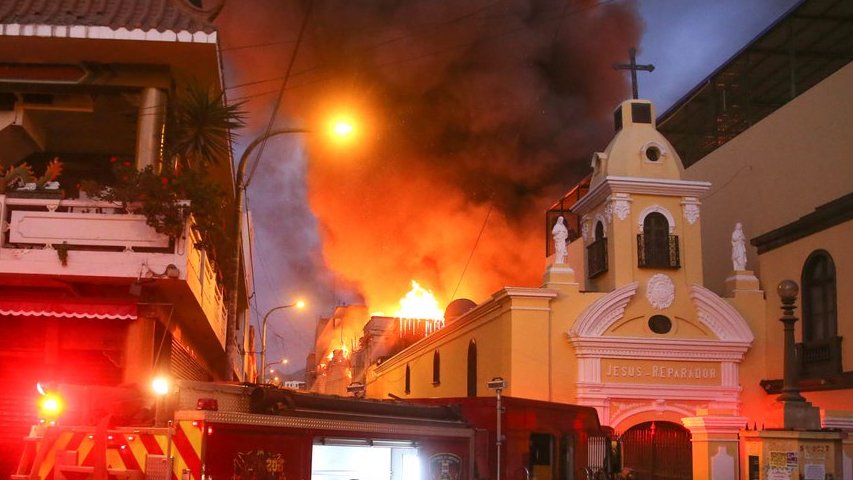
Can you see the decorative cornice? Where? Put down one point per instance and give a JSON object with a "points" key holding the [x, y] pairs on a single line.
{"points": [[603, 391], [602, 313], [654, 348], [825, 216], [719, 316], [508, 292], [647, 186], [714, 424]]}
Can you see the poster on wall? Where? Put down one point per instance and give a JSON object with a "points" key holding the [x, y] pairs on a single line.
{"points": [[815, 471], [782, 465]]}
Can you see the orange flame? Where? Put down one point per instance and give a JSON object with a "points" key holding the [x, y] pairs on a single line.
{"points": [[419, 303]]}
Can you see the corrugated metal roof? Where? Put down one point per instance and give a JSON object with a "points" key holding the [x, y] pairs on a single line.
{"points": [[146, 15], [809, 43]]}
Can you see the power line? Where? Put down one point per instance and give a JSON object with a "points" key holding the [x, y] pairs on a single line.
{"points": [[277, 104], [473, 249]]}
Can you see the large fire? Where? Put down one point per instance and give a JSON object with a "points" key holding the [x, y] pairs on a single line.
{"points": [[419, 312], [419, 303], [475, 127]]}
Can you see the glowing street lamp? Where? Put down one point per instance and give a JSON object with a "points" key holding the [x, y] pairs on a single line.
{"points": [[342, 128], [282, 362], [300, 305]]}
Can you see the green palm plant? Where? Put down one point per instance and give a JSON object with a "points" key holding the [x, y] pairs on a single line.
{"points": [[199, 128]]}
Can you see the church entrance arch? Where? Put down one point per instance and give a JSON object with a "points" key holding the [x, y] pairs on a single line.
{"points": [[657, 451]]}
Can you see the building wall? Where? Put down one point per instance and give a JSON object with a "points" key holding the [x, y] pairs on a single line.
{"points": [[787, 262], [777, 171], [512, 341]]}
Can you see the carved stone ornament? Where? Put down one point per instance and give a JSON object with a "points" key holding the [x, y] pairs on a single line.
{"points": [[691, 209], [621, 206], [608, 212], [660, 291], [691, 213], [585, 229]]}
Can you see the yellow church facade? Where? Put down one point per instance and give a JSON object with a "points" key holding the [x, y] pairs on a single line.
{"points": [[622, 321]]}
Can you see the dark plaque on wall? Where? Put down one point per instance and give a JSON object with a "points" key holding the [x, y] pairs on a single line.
{"points": [[754, 468]]}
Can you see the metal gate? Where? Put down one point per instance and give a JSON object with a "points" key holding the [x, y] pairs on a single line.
{"points": [[658, 451]]}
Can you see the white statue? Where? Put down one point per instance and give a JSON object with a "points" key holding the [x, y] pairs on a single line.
{"points": [[51, 185], [561, 235], [738, 248]]}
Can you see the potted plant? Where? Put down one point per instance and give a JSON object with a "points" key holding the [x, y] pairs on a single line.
{"points": [[20, 181]]}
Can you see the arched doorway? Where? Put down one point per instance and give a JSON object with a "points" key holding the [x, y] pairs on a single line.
{"points": [[657, 451]]}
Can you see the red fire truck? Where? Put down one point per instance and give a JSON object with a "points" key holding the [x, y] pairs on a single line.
{"points": [[251, 432]]}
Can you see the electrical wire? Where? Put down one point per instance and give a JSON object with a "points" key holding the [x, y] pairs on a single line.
{"points": [[277, 103], [471, 255]]}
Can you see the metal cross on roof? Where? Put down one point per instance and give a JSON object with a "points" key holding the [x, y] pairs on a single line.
{"points": [[633, 67]]}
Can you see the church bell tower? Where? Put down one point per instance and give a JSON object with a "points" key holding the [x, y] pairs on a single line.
{"points": [[640, 218]]}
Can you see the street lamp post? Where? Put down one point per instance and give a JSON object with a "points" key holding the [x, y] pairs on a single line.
{"points": [[498, 384], [298, 304], [240, 188], [342, 129]]}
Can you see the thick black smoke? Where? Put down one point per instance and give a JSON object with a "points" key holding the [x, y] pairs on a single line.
{"points": [[471, 110]]}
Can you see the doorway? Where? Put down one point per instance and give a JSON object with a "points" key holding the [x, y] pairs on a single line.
{"points": [[658, 451]]}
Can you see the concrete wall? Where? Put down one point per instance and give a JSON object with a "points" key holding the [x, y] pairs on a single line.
{"points": [[777, 171]]}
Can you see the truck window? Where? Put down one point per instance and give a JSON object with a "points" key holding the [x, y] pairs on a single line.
{"points": [[541, 456], [338, 462]]}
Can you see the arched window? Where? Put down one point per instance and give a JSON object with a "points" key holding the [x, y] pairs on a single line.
{"points": [[820, 352], [656, 248], [596, 252], [408, 380], [472, 369], [819, 305], [436, 368]]}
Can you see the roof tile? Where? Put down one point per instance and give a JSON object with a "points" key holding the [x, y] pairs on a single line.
{"points": [[160, 15]]}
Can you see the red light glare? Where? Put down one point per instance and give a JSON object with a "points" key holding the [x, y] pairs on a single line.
{"points": [[50, 406]]}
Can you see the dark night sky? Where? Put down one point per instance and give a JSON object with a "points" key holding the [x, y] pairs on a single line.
{"points": [[479, 110]]}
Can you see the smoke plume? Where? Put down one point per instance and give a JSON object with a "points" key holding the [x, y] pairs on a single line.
{"points": [[474, 117]]}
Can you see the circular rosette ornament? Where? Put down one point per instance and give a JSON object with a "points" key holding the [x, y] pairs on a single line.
{"points": [[660, 291]]}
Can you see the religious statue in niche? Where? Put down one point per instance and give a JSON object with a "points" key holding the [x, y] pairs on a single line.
{"points": [[738, 248], [561, 235]]}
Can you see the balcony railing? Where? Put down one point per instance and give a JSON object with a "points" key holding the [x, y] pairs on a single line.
{"points": [[819, 358], [102, 240], [658, 252], [596, 254]]}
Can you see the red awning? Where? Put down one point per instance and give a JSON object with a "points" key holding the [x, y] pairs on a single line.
{"points": [[93, 308]]}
